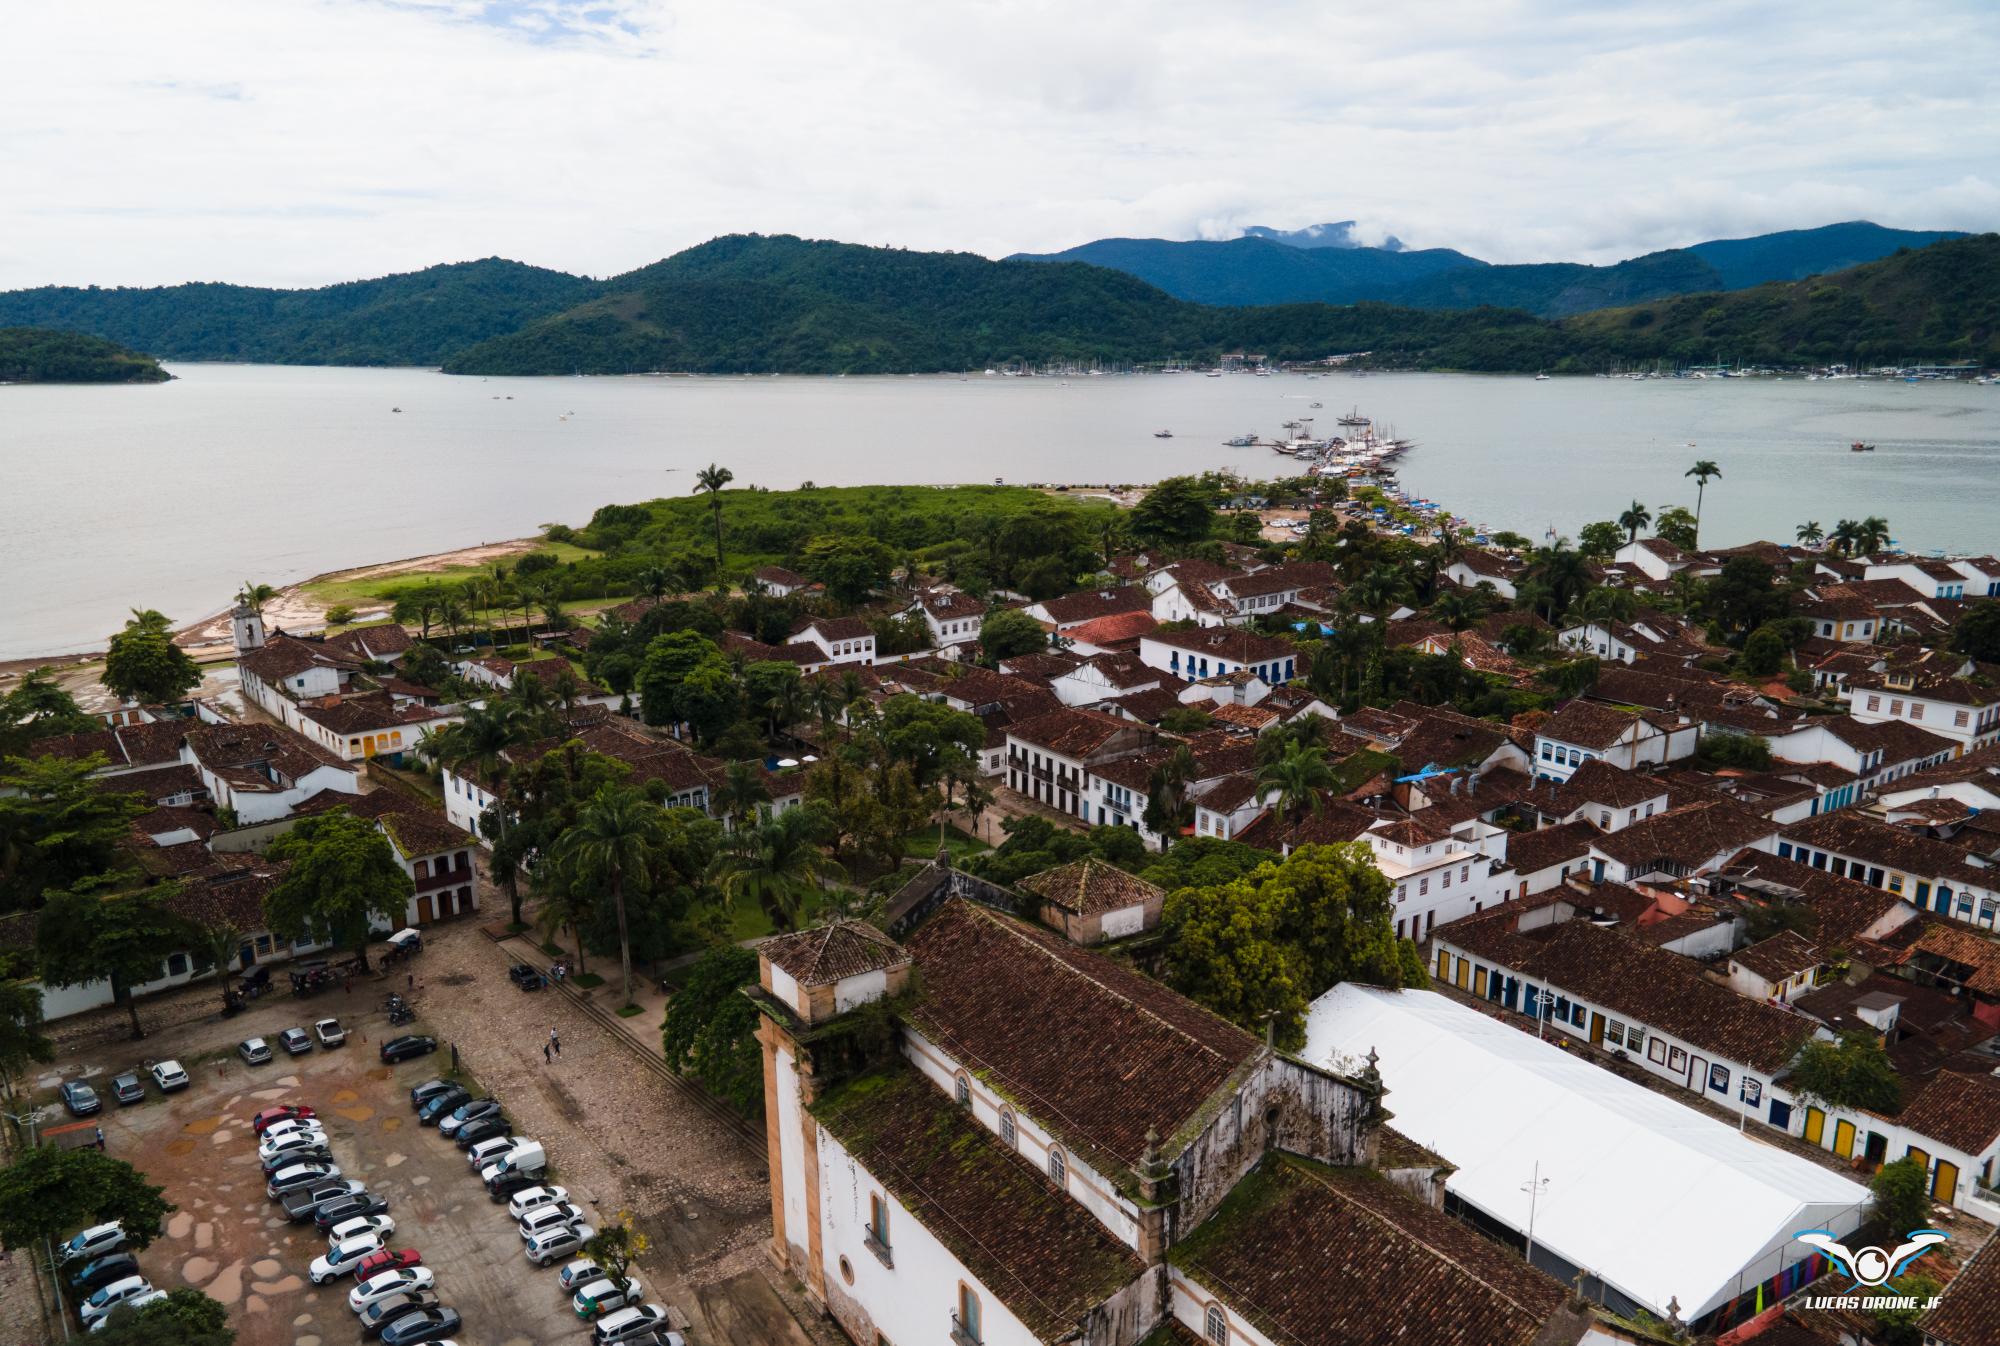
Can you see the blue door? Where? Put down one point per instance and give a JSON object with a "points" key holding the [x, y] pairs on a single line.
{"points": [[1781, 1115], [1512, 992]]}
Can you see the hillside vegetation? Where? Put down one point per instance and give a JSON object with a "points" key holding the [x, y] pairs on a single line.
{"points": [[417, 318], [39, 355]]}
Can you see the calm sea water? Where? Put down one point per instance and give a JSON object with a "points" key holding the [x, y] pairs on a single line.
{"points": [[170, 496]]}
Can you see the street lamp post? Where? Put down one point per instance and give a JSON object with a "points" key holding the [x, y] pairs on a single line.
{"points": [[1534, 1187]]}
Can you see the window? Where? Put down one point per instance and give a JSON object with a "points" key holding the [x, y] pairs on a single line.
{"points": [[961, 1089], [177, 964], [1635, 1038], [1677, 1059], [1423, 887], [877, 1241], [1614, 1032], [965, 1323], [1874, 703], [1216, 1325], [1718, 1078], [1007, 1126], [1447, 880], [1058, 1168], [1656, 1052]]}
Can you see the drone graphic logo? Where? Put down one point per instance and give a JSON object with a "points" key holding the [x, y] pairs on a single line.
{"points": [[1873, 1266]]}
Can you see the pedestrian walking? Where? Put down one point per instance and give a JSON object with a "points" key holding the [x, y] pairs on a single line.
{"points": [[100, 1137], [545, 1053], [555, 1041], [413, 981]]}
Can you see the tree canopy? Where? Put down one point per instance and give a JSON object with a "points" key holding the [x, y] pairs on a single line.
{"points": [[1853, 1072], [58, 825], [93, 931], [343, 879], [49, 1191]]}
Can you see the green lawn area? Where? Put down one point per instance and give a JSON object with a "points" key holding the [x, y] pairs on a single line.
{"points": [[748, 921], [376, 589], [922, 844]]}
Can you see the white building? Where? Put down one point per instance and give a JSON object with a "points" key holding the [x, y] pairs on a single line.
{"points": [[845, 640], [1584, 731], [1949, 705]]}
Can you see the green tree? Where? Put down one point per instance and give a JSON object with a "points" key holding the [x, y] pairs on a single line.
{"points": [[144, 665], [616, 1247], [1810, 534], [1763, 652], [186, 1317], [739, 792], [1008, 633], [57, 826], [613, 845], [1871, 534], [1635, 517], [343, 879], [39, 707], [1677, 525], [771, 688], [90, 933], [1599, 540], [49, 1191], [22, 1041], [477, 745], [1902, 1195], [706, 1033], [1745, 595], [677, 680], [1977, 635], [1853, 1072], [712, 479], [1175, 513], [1898, 1326], [1704, 471], [927, 735], [779, 864], [850, 565], [1297, 781]]}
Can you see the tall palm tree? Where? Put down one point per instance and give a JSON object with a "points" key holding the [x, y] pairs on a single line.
{"points": [[779, 863], [614, 844], [1703, 472], [657, 581], [215, 944], [739, 792], [1296, 780], [712, 479], [452, 616], [1844, 536], [1564, 573], [1167, 809], [1633, 519], [1810, 533], [1872, 535], [1459, 608], [255, 596]]}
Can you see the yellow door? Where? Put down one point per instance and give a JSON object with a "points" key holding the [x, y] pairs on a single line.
{"points": [[1479, 983], [1465, 974], [1944, 1186], [1923, 1160], [1815, 1126], [368, 746], [1444, 966], [1843, 1139]]}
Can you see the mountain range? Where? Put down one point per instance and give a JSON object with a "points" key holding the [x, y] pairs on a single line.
{"points": [[747, 303], [1323, 264]]}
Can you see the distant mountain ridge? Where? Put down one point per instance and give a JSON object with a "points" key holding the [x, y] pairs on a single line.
{"points": [[1329, 267]]}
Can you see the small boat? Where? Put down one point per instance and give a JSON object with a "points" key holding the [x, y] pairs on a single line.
{"points": [[396, 409], [1541, 378], [1858, 447], [1317, 405], [1215, 373], [1163, 434], [1240, 441]]}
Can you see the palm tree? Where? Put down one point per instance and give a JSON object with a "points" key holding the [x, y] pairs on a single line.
{"points": [[615, 842], [1459, 609], [1633, 519], [561, 908], [479, 741], [779, 863], [1872, 534], [255, 596], [1167, 809], [739, 792], [1296, 780], [657, 581], [712, 479], [1810, 533], [1607, 602], [1703, 472], [452, 616], [552, 609], [215, 944], [1450, 542], [1564, 573], [1843, 535]]}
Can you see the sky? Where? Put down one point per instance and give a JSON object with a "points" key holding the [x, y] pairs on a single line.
{"points": [[300, 142]]}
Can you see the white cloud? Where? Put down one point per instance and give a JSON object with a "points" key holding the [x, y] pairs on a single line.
{"points": [[303, 141]]}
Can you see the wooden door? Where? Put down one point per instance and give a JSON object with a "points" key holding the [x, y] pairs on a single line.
{"points": [[1479, 983], [1944, 1184], [1596, 1029], [1843, 1139], [1465, 974], [1444, 966], [423, 909], [1815, 1126], [1697, 1074]]}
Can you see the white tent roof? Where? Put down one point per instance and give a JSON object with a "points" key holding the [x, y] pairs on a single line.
{"points": [[1654, 1198]]}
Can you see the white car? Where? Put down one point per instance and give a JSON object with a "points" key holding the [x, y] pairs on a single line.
{"points": [[548, 1217], [94, 1242], [600, 1297], [377, 1226], [135, 1303], [562, 1241], [291, 1126], [386, 1283], [169, 1076], [299, 1142], [642, 1320], [488, 1150], [114, 1294], [534, 1198], [575, 1275], [339, 1260], [299, 1175], [329, 1032]]}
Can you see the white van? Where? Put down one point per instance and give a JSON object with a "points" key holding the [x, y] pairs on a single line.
{"points": [[525, 1156]]}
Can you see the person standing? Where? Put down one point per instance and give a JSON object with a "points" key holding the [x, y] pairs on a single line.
{"points": [[545, 1053], [555, 1042], [100, 1138]]}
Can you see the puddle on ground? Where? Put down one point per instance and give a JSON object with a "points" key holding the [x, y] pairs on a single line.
{"points": [[360, 1114], [266, 1269], [179, 1224], [289, 1081], [394, 1160], [346, 1096], [255, 1304], [222, 1137], [179, 1148], [379, 1073], [228, 1287], [197, 1269], [303, 1320], [307, 1340], [204, 1235], [392, 1123], [420, 1180], [266, 1095], [283, 1286], [202, 1127]]}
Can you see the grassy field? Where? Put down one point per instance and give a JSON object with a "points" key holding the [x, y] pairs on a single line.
{"points": [[922, 844], [374, 589]]}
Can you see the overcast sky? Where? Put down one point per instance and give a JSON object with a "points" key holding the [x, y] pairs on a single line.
{"points": [[297, 142]]}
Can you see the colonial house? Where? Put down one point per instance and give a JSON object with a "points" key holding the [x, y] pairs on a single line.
{"points": [[1052, 758], [1932, 875], [688, 777], [951, 617], [1600, 793], [1089, 605], [1438, 870], [1691, 839], [1982, 575], [1091, 900], [1206, 652], [263, 771], [384, 644], [1929, 578], [1876, 753], [1107, 677], [1472, 567], [1654, 557], [1583, 731], [1944, 702], [782, 583], [363, 725], [1627, 642], [845, 640], [276, 674]]}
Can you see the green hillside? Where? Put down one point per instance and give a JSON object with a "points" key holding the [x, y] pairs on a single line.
{"points": [[417, 318], [40, 355]]}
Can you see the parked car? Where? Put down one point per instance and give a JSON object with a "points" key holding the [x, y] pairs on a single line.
{"points": [[254, 1051], [376, 1263], [626, 1325], [489, 1151], [80, 1098], [296, 1041], [274, 1152], [423, 1093], [301, 1205], [470, 1110], [385, 1311], [94, 1242], [381, 1226], [108, 1297], [575, 1275], [292, 1126], [438, 1106], [534, 1198], [329, 1032], [331, 1213], [278, 1163], [548, 1217], [385, 1283], [403, 1048], [340, 1258], [606, 1296], [508, 1185], [127, 1089], [135, 1303], [430, 1325], [520, 1156], [525, 977], [486, 1128], [169, 1076], [101, 1271], [295, 1176], [562, 1241], [283, 1112]]}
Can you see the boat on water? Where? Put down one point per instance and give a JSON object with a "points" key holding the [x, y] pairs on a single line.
{"points": [[1858, 447], [1354, 417], [1240, 441], [1317, 405], [1541, 378], [1163, 434], [1215, 373]]}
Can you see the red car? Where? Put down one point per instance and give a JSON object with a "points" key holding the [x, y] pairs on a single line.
{"points": [[387, 1261], [283, 1112]]}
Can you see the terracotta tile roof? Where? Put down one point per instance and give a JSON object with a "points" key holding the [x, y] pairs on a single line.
{"points": [[948, 606], [155, 742], [160, 782], [1690, 836], [163, 820], [1253, 718], [829, 953], [1978, 954], [1088, 605], [836, 628], [1596, 782], [1117, 629], [241, 752], [1969, 1314], [1962, 1110], [1781, 957], [1891, 847], [1334, 821], [1044, 666], [284, 656], [1090, 887], [1232, 643], [1588, 724], [363, 712], [1095, 1028], [1070, 732], [1042, 1254], [1842, 908], [1313, 1254], [780, 575], [372, 642]]}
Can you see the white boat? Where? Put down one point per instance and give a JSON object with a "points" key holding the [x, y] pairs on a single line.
{"points": [[1541, 378], [1215, 373], [1163, 434]]}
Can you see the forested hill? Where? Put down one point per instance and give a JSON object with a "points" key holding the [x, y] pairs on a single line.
{"points": [[417, 318], [39, 355]]}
